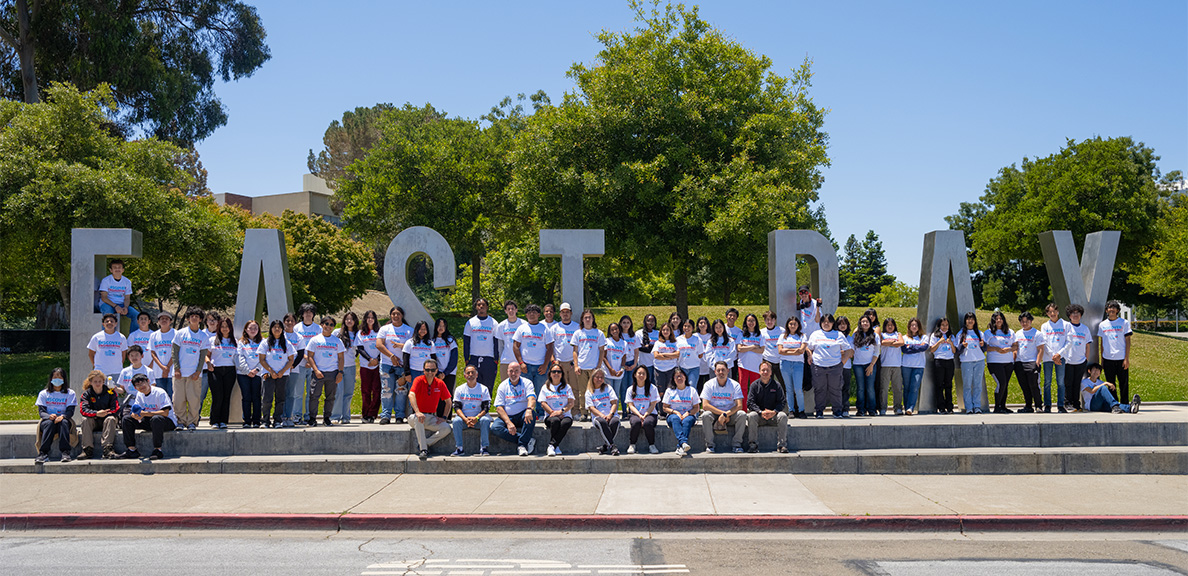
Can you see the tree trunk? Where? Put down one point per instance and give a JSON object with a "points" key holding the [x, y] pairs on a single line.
{"points": [[64, 292], [28, 73], [476, 264], [680, 285]]}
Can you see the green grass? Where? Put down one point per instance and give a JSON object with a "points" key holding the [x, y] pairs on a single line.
{"points": [[22, 376]]}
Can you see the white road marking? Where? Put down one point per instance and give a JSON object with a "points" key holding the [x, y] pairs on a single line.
{"points": [[517, 567], [1020, 568]]}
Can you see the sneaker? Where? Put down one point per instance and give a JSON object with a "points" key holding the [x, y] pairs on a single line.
{"points": [[820, 415], [1047, 410], [1006, 410], [311, 423], [652, 449], [838, 416], [680, 451], [109, 453], [601, 450], [327, 422], [1061, 410], [42, 458], [458, 452], [846, 415], [484, 452], [385, 421], [86, 453], [192, 427], [1117, 409], [631, 449], [66, 458], [423, 455], [686, 447], [738, 449], [614, 451], [556, 449], [710, 448], [156, 455], [782, 449], [398, 420], [753, 448], [246, 425], [553, 451], [907, 412], [131, 454], [532, 446], [899, 411], [1134, 404], [1027, 410], [1069, 408], [522, 451], [977, 411]]}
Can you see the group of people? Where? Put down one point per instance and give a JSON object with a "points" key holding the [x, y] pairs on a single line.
{"points": [[549, 366]]}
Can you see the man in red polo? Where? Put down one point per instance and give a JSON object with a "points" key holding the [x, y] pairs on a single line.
{"points": [[427, 395]]}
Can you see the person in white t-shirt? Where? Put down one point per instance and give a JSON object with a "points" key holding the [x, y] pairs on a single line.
{"points": [[325, 356], [480, 344], [1000, 358], [1113, 335], [515, 403], [1055, 337], [603, 403], [750, 351], [646, 338], [792, 345], [563, 332], [532, 347], [1029, 344], [55, 407], [615, 364], [307, 328], [276, 355], [417, 350], [504, 333], [1075, 354], [913, 350], [829, 348], [682, 405], [394, 377], [249, 374], [643, 399], [160, 352], [123, 384], [350, 372], [190, 349], [868, 342], [722, 403], [588, 345], [627, 328], [106, 348], [151, 409], [971, 346], [1096, 396], [369, 366], [943, 349], [142, 336], [556, 399], [549, 316], [445, 349], [224, 349], [115, 292], [471, 401], [689, 352]]}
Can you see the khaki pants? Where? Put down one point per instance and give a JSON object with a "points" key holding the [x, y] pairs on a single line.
{"points": [[571, 376], [440, 428], [739, 421], [109, 431], [187, 400], [891, 376], [579, 391]]}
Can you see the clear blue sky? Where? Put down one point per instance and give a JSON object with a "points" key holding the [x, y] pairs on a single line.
{"points": [[927, 100]]}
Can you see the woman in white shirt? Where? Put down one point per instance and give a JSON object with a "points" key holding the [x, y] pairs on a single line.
{"points": [[913, 355], [866, 342], [223, 351], [665, 354], [349, 331], [720, 348], [970, 344], [276, 356], [705, 370], [941, 345], [792, 345], [645, 339], [891, 373], [614, 365], [1000, 353], [681, 405], [248, 373], [750, 351], [642, 401], [369, 366], [690, 350], [602, 402], [828, 347], [556, 399]]}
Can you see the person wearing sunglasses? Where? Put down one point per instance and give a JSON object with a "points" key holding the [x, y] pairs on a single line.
{"points": [[429, 399]]}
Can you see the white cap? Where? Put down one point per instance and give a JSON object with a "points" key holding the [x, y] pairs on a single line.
{"points": [[566, 306]]}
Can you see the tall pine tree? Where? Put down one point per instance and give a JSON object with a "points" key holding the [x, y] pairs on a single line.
{"points": [[863, 271]]}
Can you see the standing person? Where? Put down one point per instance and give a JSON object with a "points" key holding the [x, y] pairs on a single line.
{"points": [[1055, 336], [665, 354], [828, 347], [589, 352], [369, 366], [1114, 342], [973, 363], [100, 409], [324, 355], [416, 351], [151, 409], [556, 399], [223, 350], [445, 349], [161, 352], [212, 326], [532, 348], [705, 370], [430, 401], [276, 355], [942, 348], [602, 402], [765, 407], [843, 325], [642, 401], [1095, 394], [1029, 345], [771, 343], [792, 345], [1000, 358], [676, 322], [721, 348], [515, 405], [115, 292], [296, 384], [472, 401], [55, 408], [346, 388], [106, 348], [914, 354], [550, 315], [735, 333], [390, 344], [1075, 353], [627, 329], [689, 352], [563, 332], [190, 349], [479, 342], [723, 406], [647, 337], [307, 329], [248, 373], [867, 347], [880, 397], [750, 350], [505, 331], [809, 311], [614, 365], [143, 336], [892, 374], [681, 404]]}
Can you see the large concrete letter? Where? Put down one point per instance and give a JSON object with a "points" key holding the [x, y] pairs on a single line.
{"points": [[407, 244], [572, 246], [783, 248], [89, 250], [263, 274], [1087, 284], [945, 290]]}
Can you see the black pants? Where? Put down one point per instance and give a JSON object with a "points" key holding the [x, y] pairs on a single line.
{"points": [[449, 381], [1028, 376], [158, 424], [249, 388], [558, 426], [607, 428], [488, 368], [880, 398], [806, 383], [942, 376], [222, 380], [846, 382], [1001, 371], [647, 425], [274, 395], [1073, 374], [49, 429], [1114, 372]]}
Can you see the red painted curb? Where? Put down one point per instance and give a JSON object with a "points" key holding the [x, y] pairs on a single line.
{"points": [[940, 523]]}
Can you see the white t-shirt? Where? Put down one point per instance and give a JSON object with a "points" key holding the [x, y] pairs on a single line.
{"points": [[891, 356], [562, 340], [864, 355], [162, 343], [791, 341], [690, 350], [307, 331], [664, 348], [393, 338], [348, 357], [155, 400], [973, 346], [249, 355], [735, 332], [724, 352], [297, 343], [1029, 342], [722, 396], [441, 349], [55, 403], [944, 351], [125, 379], [472, 398], [555, 399], [916, 360], [1087, 387], [771, 339], [506, 331], [999, 340], [588, 344], [604, 400], [850, 340], [144, 339], [109, 351], [641, 401], [367, 341], [533, 339], [482, 336], [632, 346], [616, 356], [705, 365], [681, 400], [223, 351], [827, 347], [418, 353], [646, 358], [1113, 335], [1078, 342], [117, 290], [1055, 337], [189, 343], [808, 318], [750, 361], [325, 351], [276, 356], [514, 397]]}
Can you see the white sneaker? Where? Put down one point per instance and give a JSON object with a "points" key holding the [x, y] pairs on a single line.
{"points": [[686, 447], [551, 451], [680, 451], [532, 446], [522, 451], [652, 449], [631, 449], [557, 449]]}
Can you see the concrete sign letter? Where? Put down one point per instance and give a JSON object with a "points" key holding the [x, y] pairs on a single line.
{"points": [[572, 246], [783, 248], [89, 250], [263, 274], [407, 244], [945, 290], [1087, 284]]}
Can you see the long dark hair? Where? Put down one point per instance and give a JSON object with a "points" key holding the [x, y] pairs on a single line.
{"points": [[230, 330], [965, 331], [671, 335], [428, 339], [936, 330], [799, 329], [272, 340], [746, 328], [839, 320], [366, 328], [549, 376], [647, 381], [245, 338], [715, 340], [828, 318], [447, 337], [697, 327], [1006, 328], [672, 383], [49, 384], [345, 334], [629, 331], [867, 337]]}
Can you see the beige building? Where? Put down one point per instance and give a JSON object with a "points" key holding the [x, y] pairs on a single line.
{"points": [[315, 198]]}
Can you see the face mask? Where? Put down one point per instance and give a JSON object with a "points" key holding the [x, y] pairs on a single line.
{"points": [[56, 381]]}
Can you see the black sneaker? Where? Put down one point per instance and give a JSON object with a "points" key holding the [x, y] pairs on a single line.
{"points": [[385, 421], [42, 458], [66, 457], [423, 455], [614, 451], [311, 423], [1134, 404], [156, 455], [109, 453], [782, 449], [87, 453], [327, 422], [131, 454], [753, 449]]}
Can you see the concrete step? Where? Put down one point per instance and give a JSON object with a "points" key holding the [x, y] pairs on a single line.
{"points": [[1080, 460]]}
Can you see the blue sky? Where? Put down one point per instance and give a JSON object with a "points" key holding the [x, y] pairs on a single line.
{"points": [[927, 100]]}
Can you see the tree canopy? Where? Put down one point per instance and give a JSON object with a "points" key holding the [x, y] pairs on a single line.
{"points": [[863, 270]]}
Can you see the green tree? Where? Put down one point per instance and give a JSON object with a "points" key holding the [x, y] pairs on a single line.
{"points": [[680, 142], [161, 57], [863, 271], [347, 141], [896, 295], [1165, 269]]}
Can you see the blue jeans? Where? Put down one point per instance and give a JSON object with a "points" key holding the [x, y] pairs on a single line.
{"points": [[1103, 401], [105, 308], [524, 431], [692, 374], [865, 394], [1048, 366], [166, 384], [293, 392], [973, 384], [681, 428], [793, 373], [484, 427], [912, 377], [346, 391], [651, 374], [619, 385], [250, 388], [393, 402]]}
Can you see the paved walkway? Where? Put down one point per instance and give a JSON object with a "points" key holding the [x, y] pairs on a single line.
{"points": [[583, 494]]}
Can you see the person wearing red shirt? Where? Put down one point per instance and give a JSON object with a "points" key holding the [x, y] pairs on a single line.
{"points": [[426, 397]]}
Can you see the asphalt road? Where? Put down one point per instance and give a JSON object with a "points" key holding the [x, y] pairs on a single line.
{"points": [[294, 553]]}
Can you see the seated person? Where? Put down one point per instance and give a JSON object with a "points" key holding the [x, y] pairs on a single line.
{"points": [[766, 401], [56, 406], [472, 401], [1096, 396], [602, 403], [515, 402], [150, 409], [722, 399], [115, 292], [557, 399], [428, 392], [100, 409]]}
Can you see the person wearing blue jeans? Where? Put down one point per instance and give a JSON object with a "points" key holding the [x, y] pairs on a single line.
{"points": [[973, 375], [1051, 367], [681, 404], [115, 293], [912, 377], [516, 405], [1096, 396], [865, 384], [390, 394], [471, 401]]}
